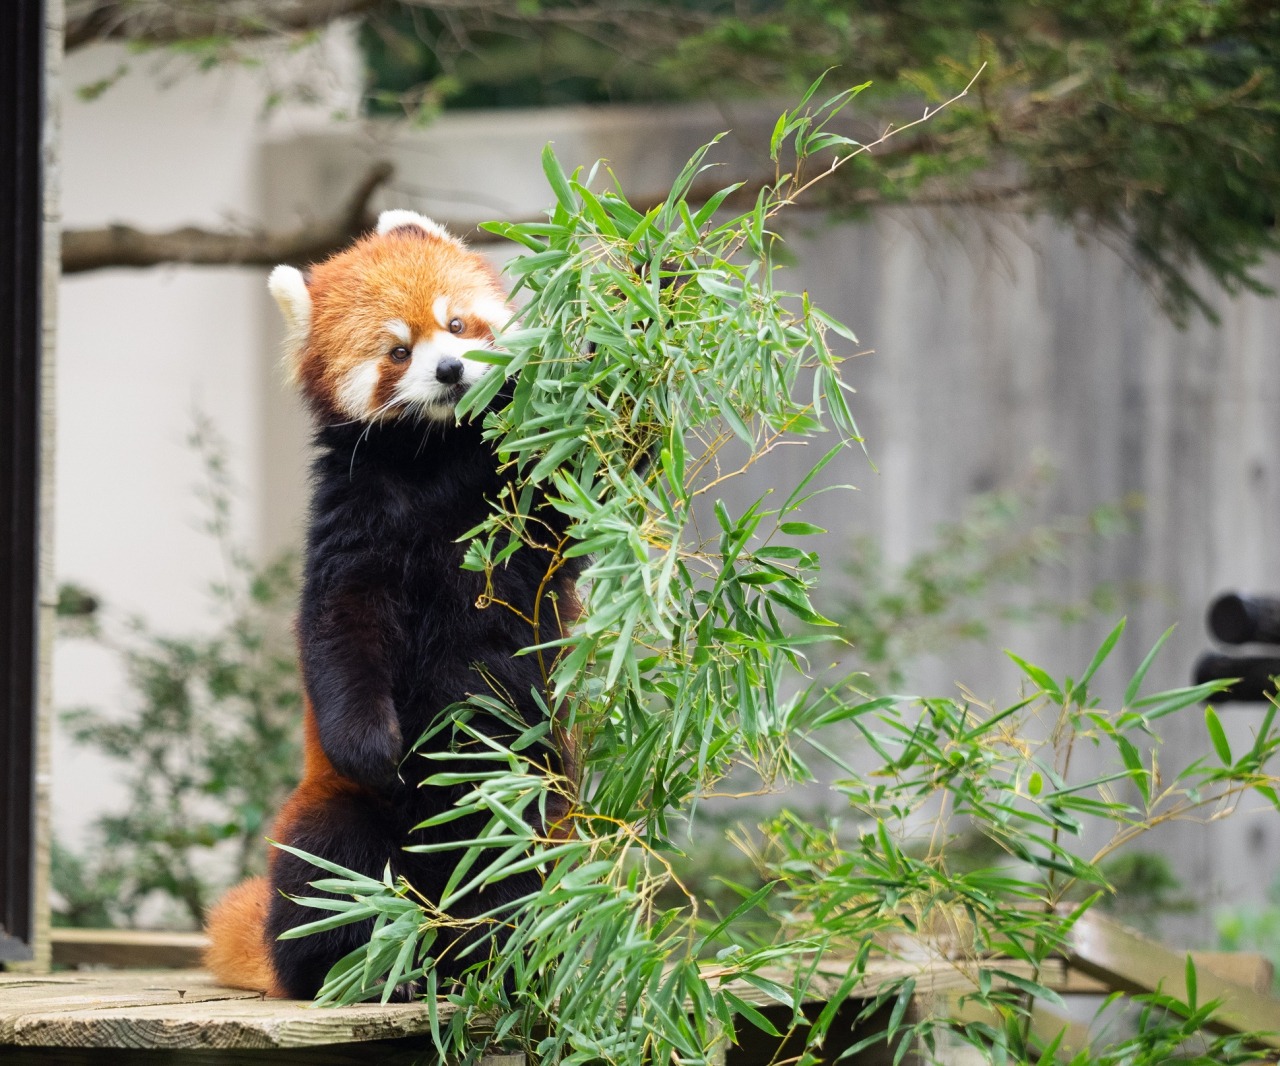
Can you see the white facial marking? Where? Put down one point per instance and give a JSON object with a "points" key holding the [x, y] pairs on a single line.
{"points": [[418, 388], [440, 308], [289, 288], [493, 312], [400, 330], [395, 218], [355, 394]]}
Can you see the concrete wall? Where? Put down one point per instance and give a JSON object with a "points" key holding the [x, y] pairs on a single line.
{"points": [[139, 351], [988, 348]]}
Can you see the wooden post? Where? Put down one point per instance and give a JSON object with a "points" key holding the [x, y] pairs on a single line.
{"points": [[55, 17], [30, 59]]}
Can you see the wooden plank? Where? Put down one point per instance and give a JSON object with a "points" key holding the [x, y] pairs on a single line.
{"points": [[933, 976], [127, 948], [409, 1052], [1129, 961], [1245, 968], [184, 1010]]}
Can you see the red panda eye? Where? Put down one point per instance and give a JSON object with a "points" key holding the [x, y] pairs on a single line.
{"points": [[456, 325], [400, 353]]}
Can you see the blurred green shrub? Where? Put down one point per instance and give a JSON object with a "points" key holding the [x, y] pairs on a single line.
{"points": [[208, 743]]}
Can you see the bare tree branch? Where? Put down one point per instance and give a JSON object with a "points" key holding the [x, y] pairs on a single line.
{"points": [[167, 21], [170, 21], [126, 246]]}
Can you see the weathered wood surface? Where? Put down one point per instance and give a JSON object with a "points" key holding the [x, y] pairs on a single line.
{"points": [[183, 1009], [1245, 968], [127, 948]]}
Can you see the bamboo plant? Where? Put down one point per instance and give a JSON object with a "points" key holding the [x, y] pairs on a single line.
{"points": [[654, 360]]}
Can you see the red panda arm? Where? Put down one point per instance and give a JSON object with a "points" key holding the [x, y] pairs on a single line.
{"points": [[342, 635]]}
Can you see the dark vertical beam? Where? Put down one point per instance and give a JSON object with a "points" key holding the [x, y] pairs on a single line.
{"points": [[22, 48]]}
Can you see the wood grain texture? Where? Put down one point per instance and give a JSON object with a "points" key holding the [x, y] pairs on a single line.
{"points": [[410, 1052], [186, 1010], [183, 1009], [94, 1017]]}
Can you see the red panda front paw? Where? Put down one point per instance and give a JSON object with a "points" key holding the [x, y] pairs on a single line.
{"points": [[368, 750], [407, 992]]}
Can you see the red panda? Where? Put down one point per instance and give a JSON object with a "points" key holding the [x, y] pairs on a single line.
{"points": [[391, 629]]}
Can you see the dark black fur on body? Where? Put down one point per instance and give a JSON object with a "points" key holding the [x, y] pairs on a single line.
{"points": [[390, 635]]}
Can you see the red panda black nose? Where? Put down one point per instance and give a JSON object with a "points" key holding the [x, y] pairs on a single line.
{"points": [[449, 370]]}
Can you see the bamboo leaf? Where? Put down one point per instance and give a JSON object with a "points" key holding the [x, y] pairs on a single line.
{"points": [[740, 1006], [1217, 736], [1135, 685], [1103, 653], [557, 180]]}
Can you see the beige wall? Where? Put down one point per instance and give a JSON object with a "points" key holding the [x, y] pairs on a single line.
{"points": [[140, 350]]}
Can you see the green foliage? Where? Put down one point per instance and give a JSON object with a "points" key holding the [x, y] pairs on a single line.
{"points": [[91, 891], [945, 768], [980, 570], [654, 360], [94, 89], [1154, 125], [414, 68], [210, 744], [1183, 102]]}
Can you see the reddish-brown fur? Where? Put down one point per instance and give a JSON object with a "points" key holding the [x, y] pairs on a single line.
{"points": [[353, 295], [238, 954]]}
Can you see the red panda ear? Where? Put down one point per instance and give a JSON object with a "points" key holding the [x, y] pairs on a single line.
{"points": [[410, 222], [289, 287]]}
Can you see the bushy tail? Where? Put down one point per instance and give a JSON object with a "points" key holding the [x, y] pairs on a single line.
{"points": [[238, 955]]}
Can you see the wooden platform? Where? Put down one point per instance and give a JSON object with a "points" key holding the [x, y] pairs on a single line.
{"points": [[116, 1017], [181, 1018], [185, 1010]]}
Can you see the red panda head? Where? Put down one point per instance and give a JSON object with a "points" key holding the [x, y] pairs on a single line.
{"points": [[381, 330]]}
